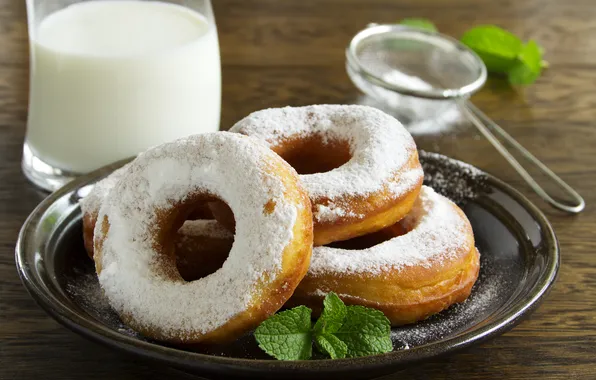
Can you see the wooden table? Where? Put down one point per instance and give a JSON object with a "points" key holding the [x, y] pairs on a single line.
{"points": [[290, 52]]}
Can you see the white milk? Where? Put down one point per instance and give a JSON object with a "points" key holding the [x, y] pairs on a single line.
{"points": [[112, 78]]}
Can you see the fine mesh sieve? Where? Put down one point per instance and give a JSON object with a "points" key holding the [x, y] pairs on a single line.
{"points": [[398, 65], [415, 62]]}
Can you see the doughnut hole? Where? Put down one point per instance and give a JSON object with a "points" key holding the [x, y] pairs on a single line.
{"points": [[196, 255], [370, 240], [314, 154], [223, 214], [200, 256], [200, 211]]}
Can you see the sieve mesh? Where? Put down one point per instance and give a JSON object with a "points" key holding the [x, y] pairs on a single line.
{"points": [[415, 62]]}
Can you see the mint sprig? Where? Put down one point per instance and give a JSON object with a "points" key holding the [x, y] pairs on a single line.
{"points": [[331, 345], [333, 315], [529, 65], [287, 335], [496, 47], [365, 332], [502, 52], [341, 331]]}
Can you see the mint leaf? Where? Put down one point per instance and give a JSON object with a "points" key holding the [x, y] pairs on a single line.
{"points": [[340, 331], [497, 47], [333, 315], [365, 332], [331, 345], [419, 23], [287, 335], [529, 65]]}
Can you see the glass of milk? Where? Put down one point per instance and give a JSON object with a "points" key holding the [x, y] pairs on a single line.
{"points": [[111, 78]]}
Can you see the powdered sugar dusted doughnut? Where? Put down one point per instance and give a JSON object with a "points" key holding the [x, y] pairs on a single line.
{"points": [[366, 173], [92, 202], [134, 250], [425, 263]]}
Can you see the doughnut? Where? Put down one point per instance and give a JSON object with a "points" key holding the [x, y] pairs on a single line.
{"points": [[91, 203], [359, 165], [139, 218], [416, 268]]}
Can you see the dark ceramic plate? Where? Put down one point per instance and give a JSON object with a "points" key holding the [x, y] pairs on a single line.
{"points": [[519, 263]]}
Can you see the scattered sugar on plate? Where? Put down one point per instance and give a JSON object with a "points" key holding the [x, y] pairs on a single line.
{"points": [[457, 318], [85, 291], [463, 181]]}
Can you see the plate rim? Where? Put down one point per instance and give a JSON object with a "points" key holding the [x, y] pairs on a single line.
{"points": [[193, 361]]}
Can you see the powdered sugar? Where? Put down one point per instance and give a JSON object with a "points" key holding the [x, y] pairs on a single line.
{"points": [[436, 229], [463, 182], [191, 228], [444, 121], [409, 81], [86, 292], [420, 116], [407, 180], [380, 148], [226, 164], [92, 202], [326, 214], [485, 294]]}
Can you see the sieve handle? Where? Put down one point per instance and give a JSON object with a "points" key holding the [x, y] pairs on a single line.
{"points": [[485, 125]]}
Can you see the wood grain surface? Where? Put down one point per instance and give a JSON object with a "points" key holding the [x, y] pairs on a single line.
{"points": [[291, 52]]}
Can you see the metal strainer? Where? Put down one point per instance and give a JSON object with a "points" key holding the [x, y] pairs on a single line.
{"points": [[399, 64]]}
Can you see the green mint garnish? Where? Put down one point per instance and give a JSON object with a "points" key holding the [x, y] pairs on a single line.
{"points": [[331, 345], [287, 335], [419, 23], [333, 315], [365, 332], [529, 65], [497, 47], [504, 53], [340, 331]]}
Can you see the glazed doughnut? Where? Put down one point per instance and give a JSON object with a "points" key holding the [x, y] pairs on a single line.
{"points": [[409, 276], [137, 222], [91, 203], [359, 165]]}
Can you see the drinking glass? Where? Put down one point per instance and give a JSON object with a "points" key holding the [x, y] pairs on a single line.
{"points": [[111, 78]]}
